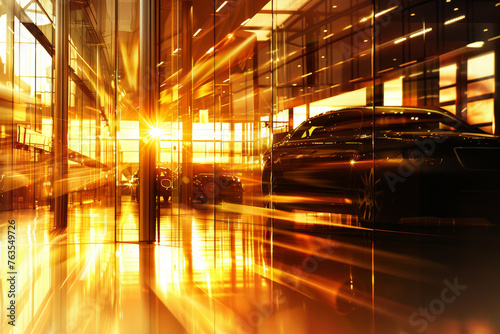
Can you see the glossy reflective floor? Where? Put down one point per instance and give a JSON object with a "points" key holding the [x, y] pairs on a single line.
{"points": [[236, 269]]}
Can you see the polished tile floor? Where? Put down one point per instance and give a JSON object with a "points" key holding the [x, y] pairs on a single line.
{"points": [[236, 269]]}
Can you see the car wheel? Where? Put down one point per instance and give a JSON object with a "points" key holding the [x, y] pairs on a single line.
{"points": [[368, 195], [372, 200], [211, 192], [198, 197]]}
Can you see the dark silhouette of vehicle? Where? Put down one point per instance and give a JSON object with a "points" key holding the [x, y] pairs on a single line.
{"points": [[208, 185], [215, 185], [385, 163], [164, 184]]}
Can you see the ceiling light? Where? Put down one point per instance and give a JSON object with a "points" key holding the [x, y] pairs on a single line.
{"points": [[476, 45], [386, 11], [421, 32], [220, 7], [458, 18], [197, 32]]}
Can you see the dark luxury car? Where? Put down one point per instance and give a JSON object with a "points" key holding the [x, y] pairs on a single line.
{"points": [[385, 163], [164, 183], [217, 185], [208, 185]]}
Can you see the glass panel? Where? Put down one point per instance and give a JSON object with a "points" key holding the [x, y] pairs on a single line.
{"points": [[480, 88], [481, 66], [448, 94], [448, 75], [480, 112], [128, 119], [434, 171], [31, 127]]}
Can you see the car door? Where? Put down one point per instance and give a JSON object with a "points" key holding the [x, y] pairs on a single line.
{"points": [[293, 156], [331, 154]]}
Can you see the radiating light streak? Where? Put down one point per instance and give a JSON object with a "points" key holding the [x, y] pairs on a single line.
{"points": [[386, 11], [220, 7], [408, 63], [364, 19], [421, 32], [461, 17], [402, 39]]}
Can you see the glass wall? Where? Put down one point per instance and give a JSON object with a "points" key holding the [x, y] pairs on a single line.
{"points": [[368, 125], [334, 164], [28, 139]]}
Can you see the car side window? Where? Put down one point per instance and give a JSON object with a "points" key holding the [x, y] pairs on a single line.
{"points": [[344, 123], [336, 124], [310, 129]]}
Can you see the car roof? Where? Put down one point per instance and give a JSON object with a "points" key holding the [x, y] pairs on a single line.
{"points": [[381, 109]]}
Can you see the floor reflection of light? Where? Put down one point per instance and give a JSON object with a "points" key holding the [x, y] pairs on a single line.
{"points": [[200, 257], [167, 264]]}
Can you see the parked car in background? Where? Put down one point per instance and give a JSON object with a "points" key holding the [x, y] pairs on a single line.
{"points": [[385, 163], [215, 185], [164, 184], [208, 185]]}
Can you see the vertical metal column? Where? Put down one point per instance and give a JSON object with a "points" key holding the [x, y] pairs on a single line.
{"points": [[496, 112], [186, 116], [7, 146], [147, 144], [186, 94], [61, 114]]}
